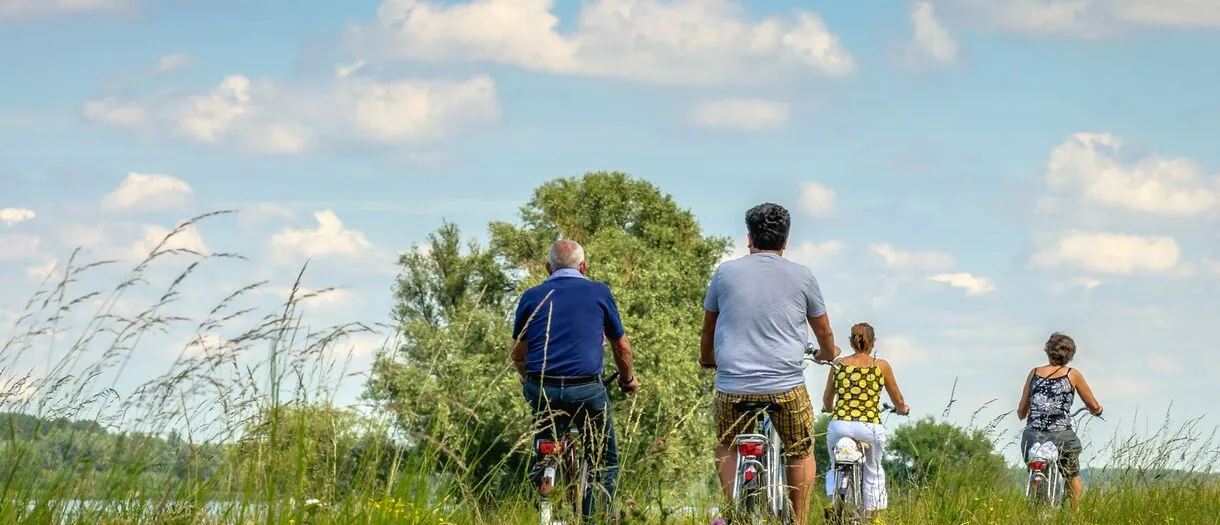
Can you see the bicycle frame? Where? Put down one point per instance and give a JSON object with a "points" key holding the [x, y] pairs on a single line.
{"points": [[1044, 480], [760, 452], [566, 454]]}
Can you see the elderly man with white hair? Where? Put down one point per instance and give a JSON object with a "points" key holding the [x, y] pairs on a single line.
{"points": [[559, 334]]}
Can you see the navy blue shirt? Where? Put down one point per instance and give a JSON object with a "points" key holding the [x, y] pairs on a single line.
{"points": [[582, 314]]}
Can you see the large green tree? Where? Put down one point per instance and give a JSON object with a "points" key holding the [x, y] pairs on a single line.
{"points": [[657, 261], [928, 451], [450, 382]]}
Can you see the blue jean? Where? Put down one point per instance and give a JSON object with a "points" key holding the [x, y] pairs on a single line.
{"points": [[587, 405]]}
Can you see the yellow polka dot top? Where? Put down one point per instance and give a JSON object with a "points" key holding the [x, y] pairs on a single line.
{"points": [[858, 393]]}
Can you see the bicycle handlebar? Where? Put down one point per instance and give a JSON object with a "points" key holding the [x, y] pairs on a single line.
{"points": [[606, 381], [1083, 409]]}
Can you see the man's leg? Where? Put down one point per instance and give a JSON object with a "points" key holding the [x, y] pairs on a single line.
{"points": [[729, 423], [726, 468], [795, 426], [801, 472], [598, 431]]}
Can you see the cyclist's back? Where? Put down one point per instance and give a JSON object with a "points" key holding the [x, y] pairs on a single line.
{"points": [[1047, 400], [754, 333], [565, 321], [853, 398], [764, 301], [559, 332]]}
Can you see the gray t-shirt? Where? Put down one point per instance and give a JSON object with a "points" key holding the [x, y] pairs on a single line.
{"points": [[763, 302]]}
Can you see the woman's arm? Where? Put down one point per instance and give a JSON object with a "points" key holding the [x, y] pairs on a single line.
{"points": [[828, 396], [1086, 393], [891, 388], [1023, 406]]}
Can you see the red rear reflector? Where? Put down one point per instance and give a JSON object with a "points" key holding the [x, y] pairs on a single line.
{"points": [[546, 447], [749, 474], [750, 449], [1037, 465]]}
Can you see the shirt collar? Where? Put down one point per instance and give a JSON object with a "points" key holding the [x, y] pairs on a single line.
{"points": [[566, 272]]}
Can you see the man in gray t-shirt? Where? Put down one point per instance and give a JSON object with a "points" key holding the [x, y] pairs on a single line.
{"points": [[754, 335]]}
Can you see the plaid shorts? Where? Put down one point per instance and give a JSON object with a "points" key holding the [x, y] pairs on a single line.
{"points": [[793, 422]]}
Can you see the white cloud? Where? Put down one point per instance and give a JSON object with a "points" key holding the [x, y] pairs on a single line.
{"points": [[17, 246], [43, 271], [115, 112], [1085, 283], [81, 235], [1110, 253], [148, 192], [328, 300], [25, 9], [266, 117], [816, 200], [1092, 165], [329, 239], [811, 254], [899, 351], [740, 114], [11, 216], [973, 285], [15, 390], [174, 62], [931, 38], [653, 41], [187, 239], [930, 260], [1086, 18]]}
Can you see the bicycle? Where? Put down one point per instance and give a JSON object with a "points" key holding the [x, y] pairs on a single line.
{"points": [[760, 483], [569, 454], [847, 468], [1045, 485]]}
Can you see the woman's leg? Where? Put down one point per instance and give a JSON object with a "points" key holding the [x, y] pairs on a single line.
{"points": [[833, 433], [875, 495], [1075, 487]]}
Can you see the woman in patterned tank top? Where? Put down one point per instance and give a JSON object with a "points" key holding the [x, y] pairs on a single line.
{"points": [[853, 396], [1046, 405]]}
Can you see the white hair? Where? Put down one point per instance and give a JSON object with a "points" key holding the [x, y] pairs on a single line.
{"points": [[566, 253]]}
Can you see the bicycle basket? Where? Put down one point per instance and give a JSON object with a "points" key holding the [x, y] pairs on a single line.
{"points": [[1046, 451], [848, 451]]}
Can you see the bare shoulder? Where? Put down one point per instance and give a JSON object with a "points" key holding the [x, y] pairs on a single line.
{"points": [[885, 365]]}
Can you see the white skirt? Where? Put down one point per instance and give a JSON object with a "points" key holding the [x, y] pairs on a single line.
{"points": [[875, 496]]}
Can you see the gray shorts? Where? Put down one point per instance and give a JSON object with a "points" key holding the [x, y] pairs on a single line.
{"points": [[1065, 440]]}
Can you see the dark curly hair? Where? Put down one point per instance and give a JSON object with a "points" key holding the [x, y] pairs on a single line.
{"points": [[768, 224], [863, 337], [1060, 349]]}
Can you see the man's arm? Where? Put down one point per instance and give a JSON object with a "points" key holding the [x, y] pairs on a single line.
{"points": [[518, 356], [828, 395], [621, 348], [827, 350], [524, 315], [815, 311], [623, 360], [707, 340], [711, 312]]}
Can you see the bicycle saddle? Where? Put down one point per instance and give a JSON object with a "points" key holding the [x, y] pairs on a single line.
{"points": [[754, 406]]}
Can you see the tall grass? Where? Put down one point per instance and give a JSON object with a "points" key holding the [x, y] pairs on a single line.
{"points": [[241, 427]]}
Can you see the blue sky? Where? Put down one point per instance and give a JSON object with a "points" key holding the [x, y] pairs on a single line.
{"points": [[967, 176]]}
